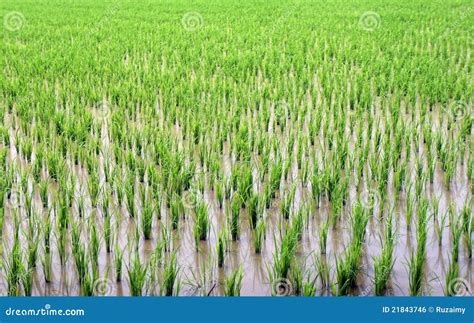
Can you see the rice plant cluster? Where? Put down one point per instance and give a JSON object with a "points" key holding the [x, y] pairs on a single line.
{"points": [[306, 148]]}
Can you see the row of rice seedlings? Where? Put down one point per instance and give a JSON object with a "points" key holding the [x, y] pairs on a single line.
{"points": [[416, 263], [284, 260], [384, 263], [348, 267]]}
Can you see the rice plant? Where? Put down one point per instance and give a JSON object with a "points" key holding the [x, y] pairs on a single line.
{"points": [[118, 261], [233, 283], [202, 223], [323, 236], [259, 236], [221, 247], [384, 263], [137, 272], [171, 276]]}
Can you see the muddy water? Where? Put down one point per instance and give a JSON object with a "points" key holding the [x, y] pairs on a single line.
{"points": [[199, 274]]}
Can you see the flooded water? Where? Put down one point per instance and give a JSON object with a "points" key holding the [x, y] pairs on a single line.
{"points": [[199, 274]]}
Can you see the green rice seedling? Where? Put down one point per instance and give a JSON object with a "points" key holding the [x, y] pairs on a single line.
{"points": [[305, 168], [439, 228], [456, 234], [81, 260], [63, 213], [171, 276], [296, 278], [410, 206], [245, 182], [316, 188], [105, 203], [323, 236], [452, 274], [359, 220], [75, 236], [469, 239], [136, 276], [166, 236], [156, 258], [94, 245], [415, 274], [61, 241], [383, 266], [202, 222], [275, 177], [87, 287], [93, 185], [143, 195], [348, 268], [435, 207], [221, 247], [233, 283], [286, 168], [147, 220], [466, 217], [322, 269], [287, 202], [297, 225], [2, 215], [14, 269], [47, 228], [118, 261], [259, 236], [267, 196], [283, 256], [252, 206], [108, 234], [32, 256], [47, 266], [176, 211], [130, 201], [227, 188], [234, 216], [219, 189], [119, 190], [309, 287], [135, 241], [43, 190], [27, 281], [81, 205]]}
